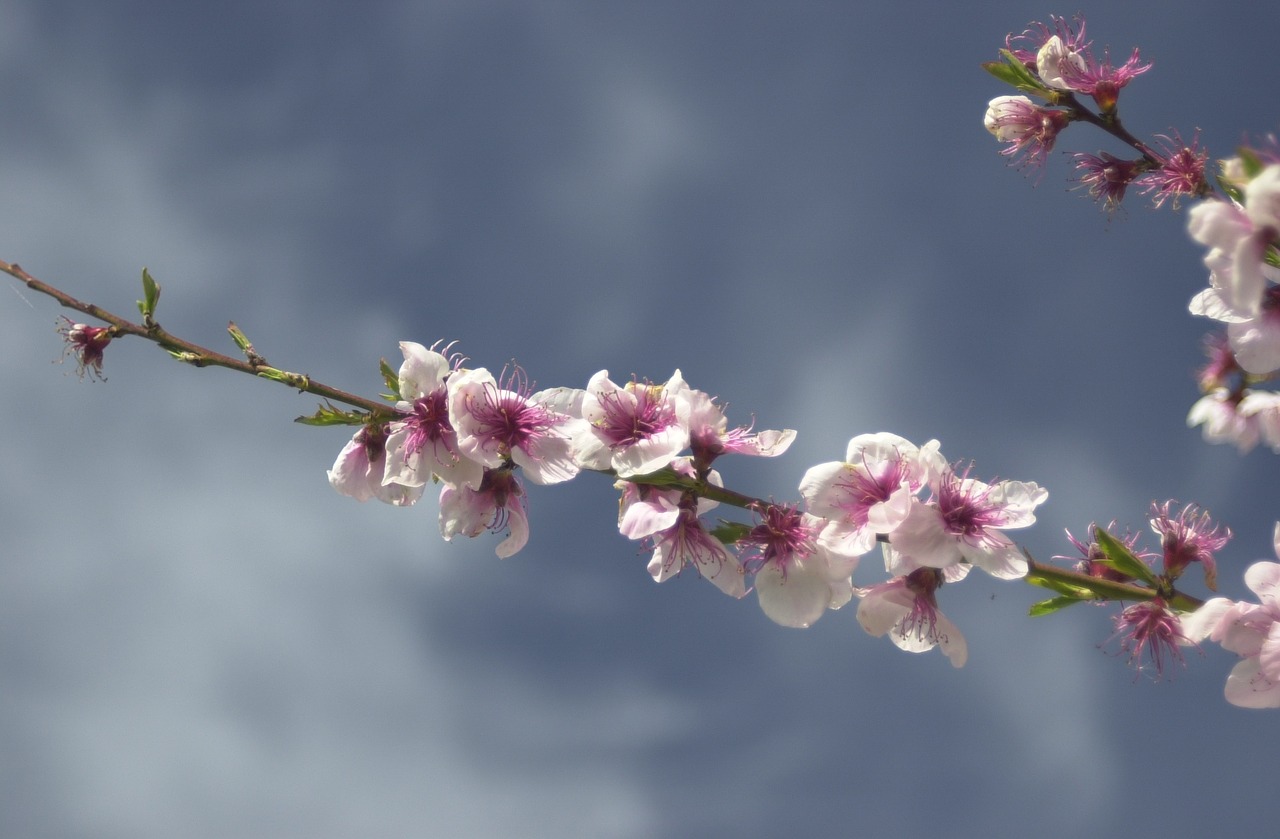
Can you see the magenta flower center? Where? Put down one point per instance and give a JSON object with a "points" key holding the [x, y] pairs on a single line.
{"points": [[626, 424]]}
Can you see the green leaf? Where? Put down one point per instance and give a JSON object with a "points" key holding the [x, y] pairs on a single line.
{"points": [[1066, 589], [1013, 72], [150, 296], [329, 415], [1120, 558], [729, 532], [1047, 607], [391, 379]]}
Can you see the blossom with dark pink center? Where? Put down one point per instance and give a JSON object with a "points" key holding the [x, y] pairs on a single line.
{"points": [[1190, 536], [1150, 633], [1100, 79], [869, 493], [87, 344], [710, 435], [1029, 129], [360, 467], [635, 429], [796, 578], [497, 505], [501, 422], [962, 522], [1180, 173], [668, 522], [1106, 176], [906, 609], [424, 443]]}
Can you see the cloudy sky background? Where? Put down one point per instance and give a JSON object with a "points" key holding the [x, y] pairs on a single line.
{"points": [[793, 203]]}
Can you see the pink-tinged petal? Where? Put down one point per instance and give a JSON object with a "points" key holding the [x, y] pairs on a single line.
{"points": [[952, 643], [1256, 343], [764, 443], [923, 538], [795, 598], [1262, 198], [1209, 304], [723, 570], [1201, 623], [422, 372], [883, 606], [1218, 224], [1018, 500], [1002, 560], [658, 511], [518, 531], [1269, 655], [547, 459], [1275, 543], [1247, 687], [1245, 282], [652, 454], [1242, 629], [1263, 579]]}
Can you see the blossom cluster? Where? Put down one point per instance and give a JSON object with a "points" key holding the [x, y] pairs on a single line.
{"points": [[1241, 230], [476, 435], [1055, 62], [1242, 234], [1250, 630]]}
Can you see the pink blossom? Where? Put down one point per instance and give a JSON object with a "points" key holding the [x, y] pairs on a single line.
{"points": [[906, 609], [424, 443], [963, 521], [360, 467], [1092, 555], [497, 505], [1150, 631], [710, 435], [1190, 536], [1029, 129], [869, 493], [1106, 177], [1250, 630], [87, 344], [668, 521], [635, 429], [1181, 172], [501, 422], [1038, 34], [1223, 422], [797, 579], [1083, 73], [1238, 238]]}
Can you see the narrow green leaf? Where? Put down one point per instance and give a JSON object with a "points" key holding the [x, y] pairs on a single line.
{"points": [[1063, 588], [1120, 558], [1047, 607], [329, 415], [391, 379]]}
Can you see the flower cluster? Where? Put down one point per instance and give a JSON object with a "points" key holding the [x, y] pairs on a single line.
{"points": [[476, 435], [1055, 62], [1250, 630], [1243, 237], [1151, 631]]}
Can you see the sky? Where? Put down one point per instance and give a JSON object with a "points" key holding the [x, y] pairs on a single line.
{"points": [[796, 205]]}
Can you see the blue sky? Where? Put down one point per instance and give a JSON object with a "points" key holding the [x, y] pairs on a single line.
{"points": [[796, 205]]}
